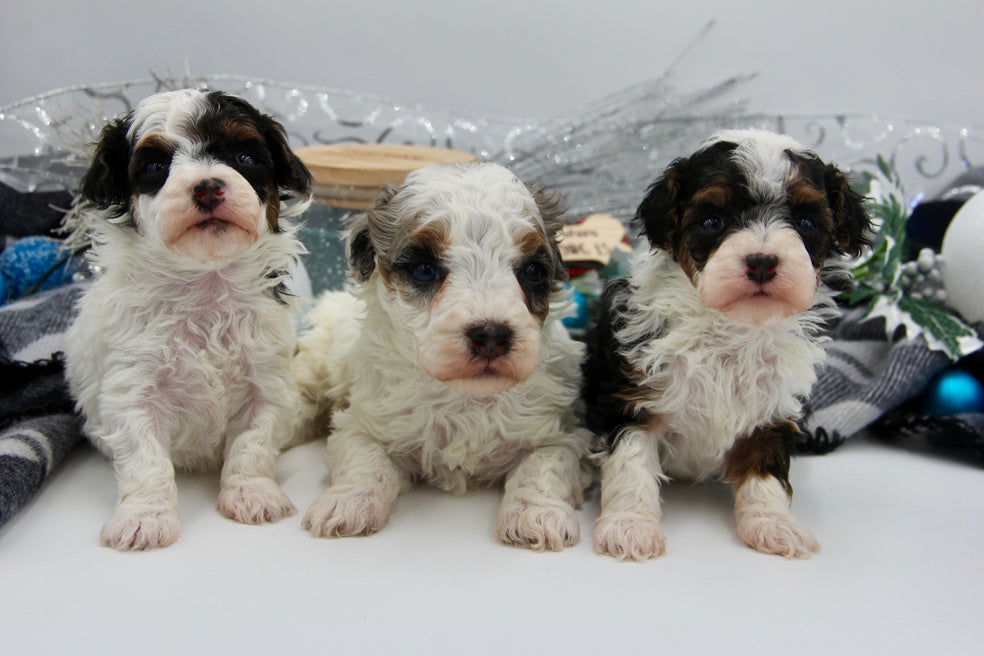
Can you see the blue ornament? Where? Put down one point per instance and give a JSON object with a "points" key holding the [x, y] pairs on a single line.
{"points": [[953, 392], [27, 260]]}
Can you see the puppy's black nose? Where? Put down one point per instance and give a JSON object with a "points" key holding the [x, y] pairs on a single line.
{"points": [[761, 268], [490, 340], [208, 194]]}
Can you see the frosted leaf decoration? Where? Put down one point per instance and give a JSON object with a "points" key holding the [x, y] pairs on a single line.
{"points": [[889, 284]]}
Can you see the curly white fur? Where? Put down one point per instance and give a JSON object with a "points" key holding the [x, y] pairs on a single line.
{"points": [[182, 359], [396, 423]]}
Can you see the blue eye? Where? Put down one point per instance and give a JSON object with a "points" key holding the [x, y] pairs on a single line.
{"points": [[154, 167], [805, 225], [425, 272], [533, 272], [712, 223], [246, 159]]}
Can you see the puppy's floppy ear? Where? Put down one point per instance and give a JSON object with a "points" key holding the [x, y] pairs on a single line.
{"points": [[292, 176], [361, 231], [852, 223], [551, 209], [659, 214], [361, 254], [106, 183]]}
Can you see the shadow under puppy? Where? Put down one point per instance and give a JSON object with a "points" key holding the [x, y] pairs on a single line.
{"points": [[450, 364], [180, 353], [703, 354]]}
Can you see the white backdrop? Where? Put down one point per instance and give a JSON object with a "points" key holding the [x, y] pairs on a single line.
{"points": [[528, 58]]}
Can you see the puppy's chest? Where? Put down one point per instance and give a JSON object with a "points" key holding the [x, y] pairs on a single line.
{"points": [[457, 445], [718, 387], [204, 358]]}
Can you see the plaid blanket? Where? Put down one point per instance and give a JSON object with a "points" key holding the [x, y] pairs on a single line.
{"points": [[38, 427], [870, 382]]}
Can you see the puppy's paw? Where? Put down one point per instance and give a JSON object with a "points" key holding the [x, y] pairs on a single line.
{"points": [[538, 524], [778, 533], [255, 501], [339, 513], [139, 529], [629, 535]]}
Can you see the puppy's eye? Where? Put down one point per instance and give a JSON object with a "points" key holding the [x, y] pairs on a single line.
{"points": [[805, 225], [425, 272], [533, 272], [246, 159], [154, 166], [712, 223]]}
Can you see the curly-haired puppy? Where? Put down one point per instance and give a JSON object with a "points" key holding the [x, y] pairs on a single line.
{"points": [[450, 366], [180, 353], [703, 354]]}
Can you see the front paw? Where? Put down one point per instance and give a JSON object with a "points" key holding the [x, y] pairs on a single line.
{"points": [[540, 525], [777, 533], [338, 513], [255, 501], [137, 530], [629, 535]]}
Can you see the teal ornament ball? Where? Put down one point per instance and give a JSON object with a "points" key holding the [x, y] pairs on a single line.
{"points": [[953, 392]]}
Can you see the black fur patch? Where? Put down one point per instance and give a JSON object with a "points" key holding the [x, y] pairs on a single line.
{"points": [[608, 387]]}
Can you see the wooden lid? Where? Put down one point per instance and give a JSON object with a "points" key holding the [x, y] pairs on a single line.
{"points": [[350, 175]]}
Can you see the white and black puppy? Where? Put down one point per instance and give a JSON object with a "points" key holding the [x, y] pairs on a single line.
{"points": [[450, 365], [180, 353], [704, 353]]}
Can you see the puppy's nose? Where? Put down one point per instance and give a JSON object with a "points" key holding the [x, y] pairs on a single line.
{"points": [[761, 268], [490, 340], [208, 194]]}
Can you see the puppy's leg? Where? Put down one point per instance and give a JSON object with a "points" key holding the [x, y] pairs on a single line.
{"points": [[629, 524], [758, 470], [248, 492], [146, 514], [541, 493], [364, 483]]}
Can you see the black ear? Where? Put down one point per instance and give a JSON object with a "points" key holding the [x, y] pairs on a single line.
{"points": [[106, 183], [659, 213], [292, 176], [852, 224]]}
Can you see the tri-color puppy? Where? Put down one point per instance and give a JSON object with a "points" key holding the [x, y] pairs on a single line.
{"points": [[180, 353], [449, 365], [704, 353]]}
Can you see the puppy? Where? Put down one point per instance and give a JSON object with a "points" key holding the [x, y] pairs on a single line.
{"points": [[704, 353], [449, 365], [180, 352]]}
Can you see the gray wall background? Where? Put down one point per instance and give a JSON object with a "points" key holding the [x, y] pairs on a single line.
{"points": [[528, 58]]}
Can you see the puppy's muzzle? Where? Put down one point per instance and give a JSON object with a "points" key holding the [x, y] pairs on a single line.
{"points": [[761, 268], [209, 194], [490, 340]]}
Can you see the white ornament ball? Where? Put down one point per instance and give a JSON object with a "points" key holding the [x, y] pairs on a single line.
{"points": [[963, 260]]}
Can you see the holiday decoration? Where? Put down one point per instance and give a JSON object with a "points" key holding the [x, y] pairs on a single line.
{"points": [[953, 392], [963, 270], [893, 287]]}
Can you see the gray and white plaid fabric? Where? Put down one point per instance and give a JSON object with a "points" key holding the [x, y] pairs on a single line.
{"points": [[866, 378], [38, 427]]}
